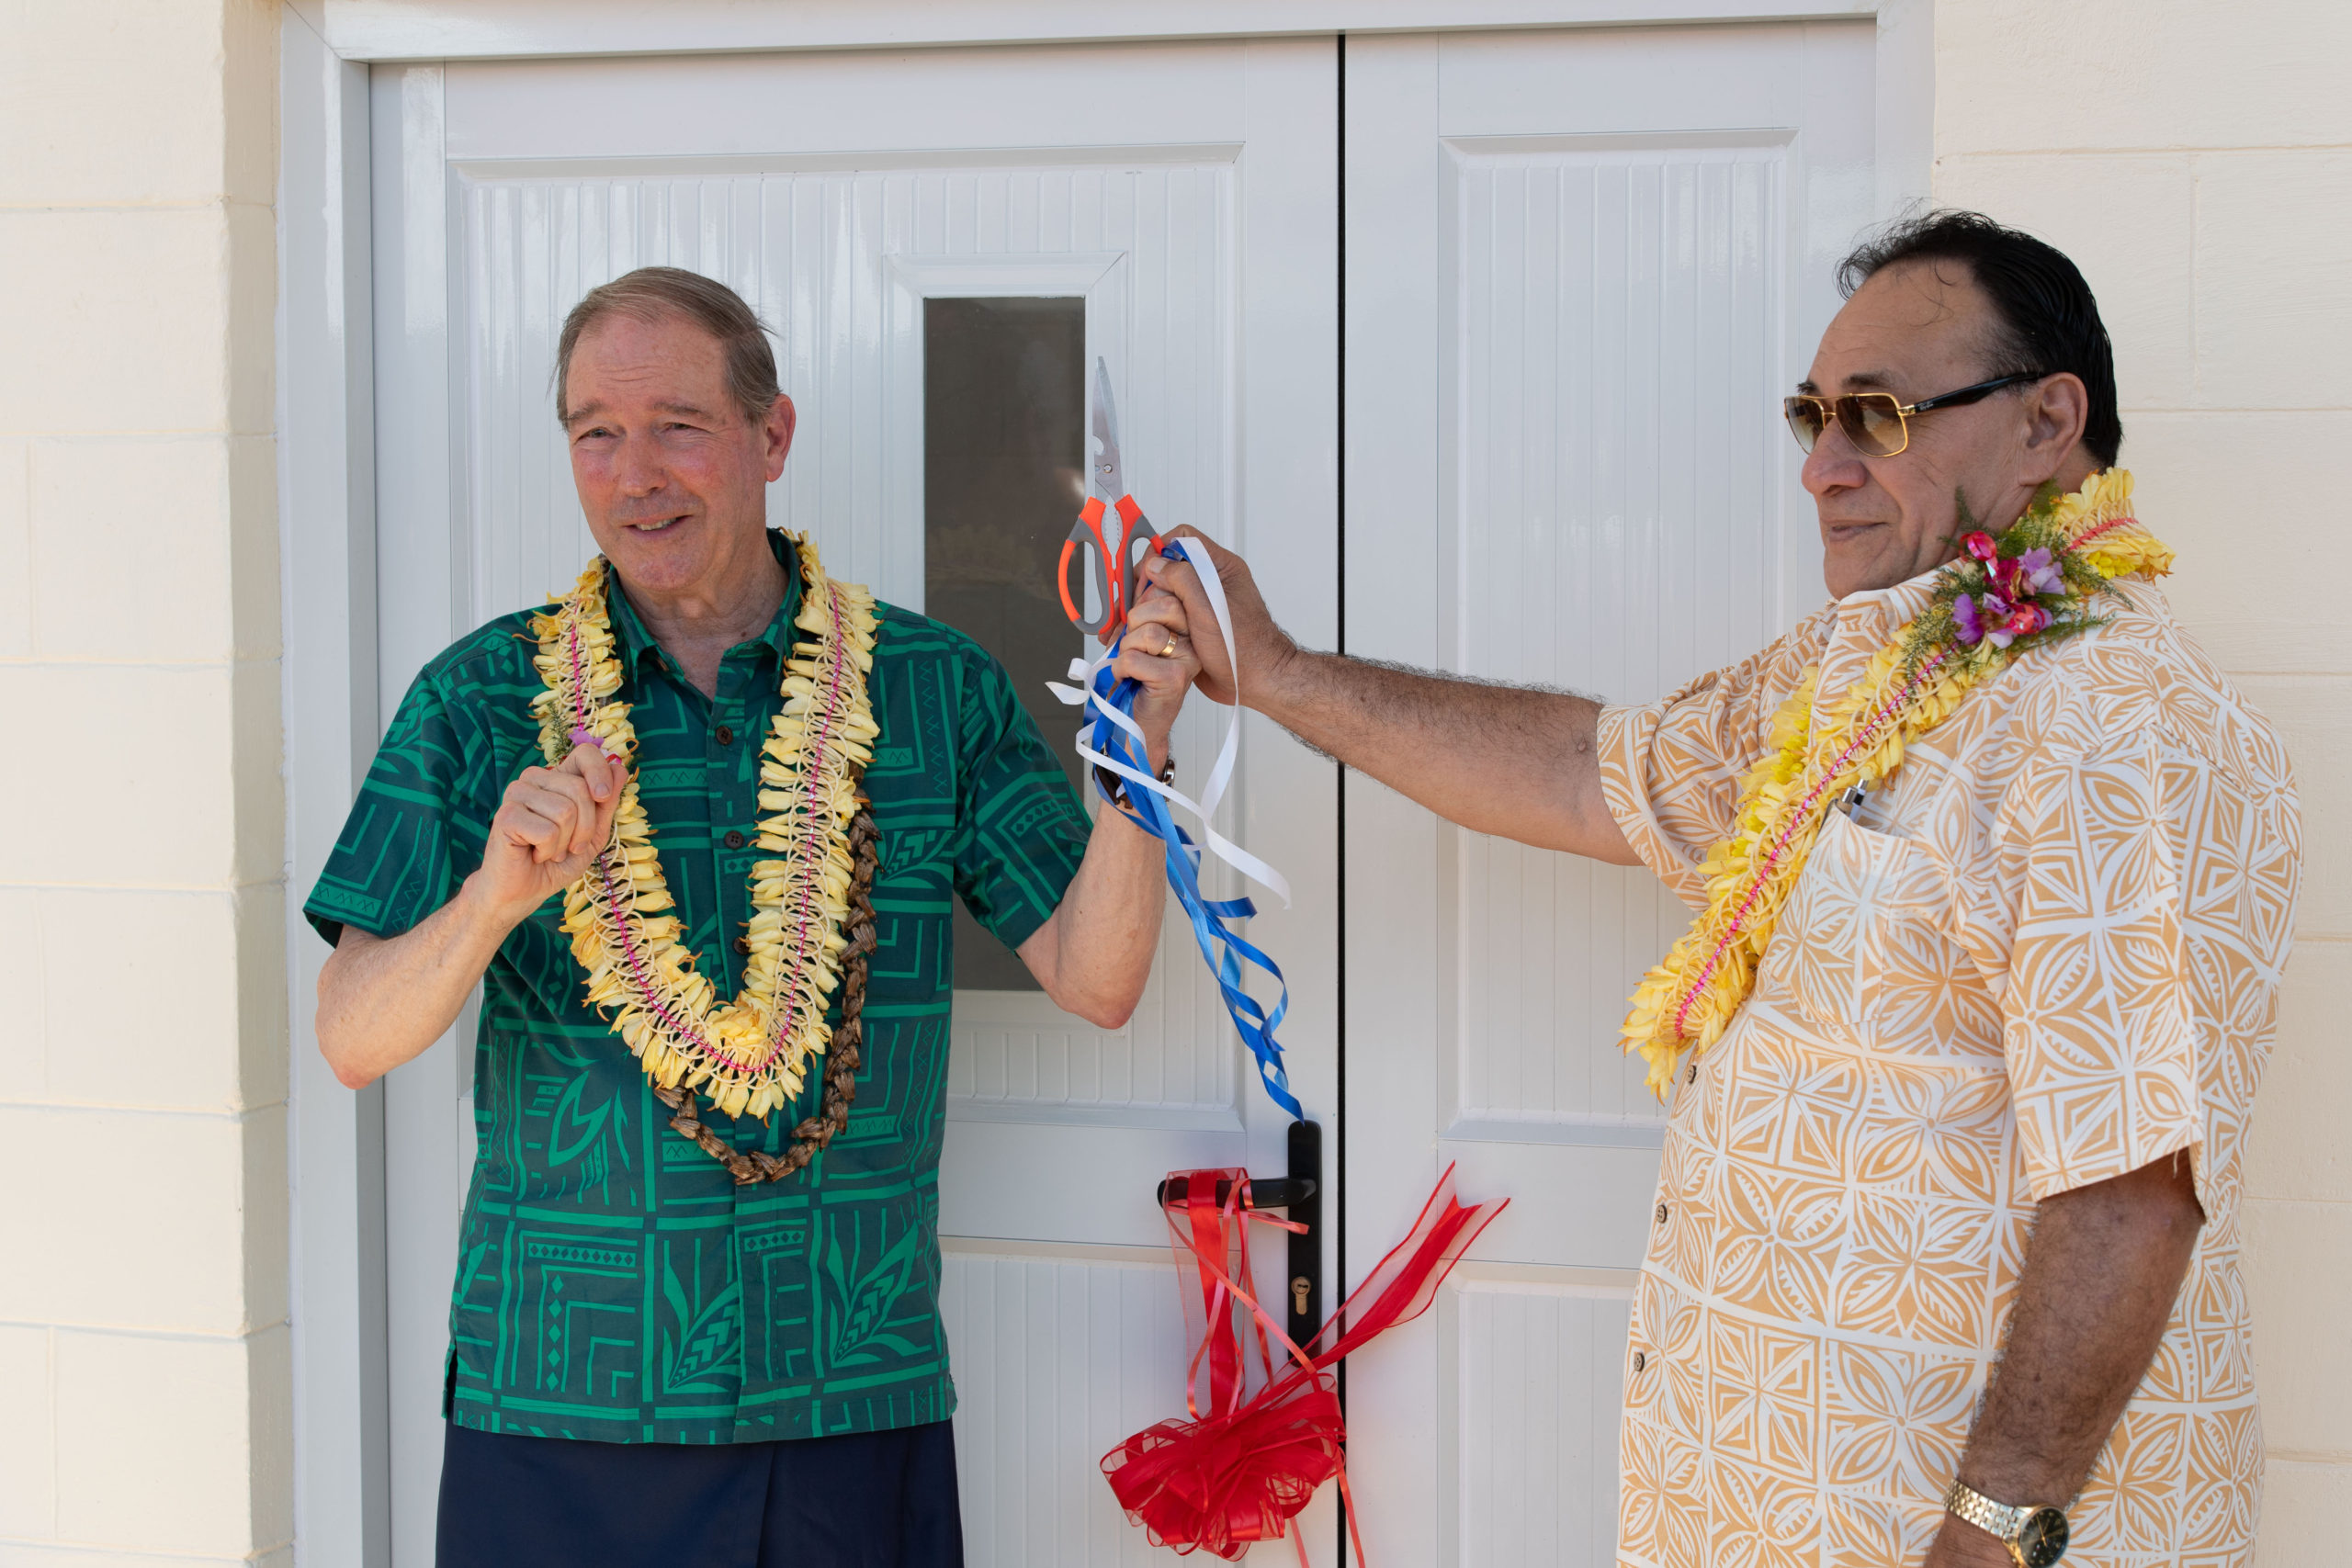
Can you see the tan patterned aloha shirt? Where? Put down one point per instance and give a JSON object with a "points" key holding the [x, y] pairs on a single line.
{"points": [[2047, 955]]}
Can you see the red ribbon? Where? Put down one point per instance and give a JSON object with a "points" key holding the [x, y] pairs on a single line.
{"points": [[1240, 1473]]}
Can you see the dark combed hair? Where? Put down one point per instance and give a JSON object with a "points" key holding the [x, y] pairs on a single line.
{"points": [[2049, 320], [652, 293]]}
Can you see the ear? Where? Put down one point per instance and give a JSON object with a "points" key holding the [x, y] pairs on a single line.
{"points": [[2057, 411], [777, 433]]}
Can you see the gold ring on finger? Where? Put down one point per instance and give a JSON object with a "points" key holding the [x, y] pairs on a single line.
{"points": [[1170, 650]]}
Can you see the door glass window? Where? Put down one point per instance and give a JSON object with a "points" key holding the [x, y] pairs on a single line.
{"points": [[1004, 465]]}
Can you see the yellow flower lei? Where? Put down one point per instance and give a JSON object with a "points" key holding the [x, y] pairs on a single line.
{"points": [[1910, 685], [747, 1056]]}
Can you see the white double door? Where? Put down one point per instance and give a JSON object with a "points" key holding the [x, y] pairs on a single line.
{"points": [[1578, 268]]}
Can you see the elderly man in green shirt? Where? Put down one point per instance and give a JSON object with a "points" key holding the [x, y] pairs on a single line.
{"points": [[678, 1335]]}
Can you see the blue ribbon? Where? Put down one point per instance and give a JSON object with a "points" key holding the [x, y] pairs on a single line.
{"points": [[1223, 949]]}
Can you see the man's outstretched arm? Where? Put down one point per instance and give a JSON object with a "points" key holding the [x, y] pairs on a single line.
{"points": [[2102, 1269], [1502, 760]]}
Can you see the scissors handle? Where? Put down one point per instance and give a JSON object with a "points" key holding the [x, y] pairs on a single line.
{"points": [[1137, 531], [1061, 585], [1114, 590], [1086, 534]]}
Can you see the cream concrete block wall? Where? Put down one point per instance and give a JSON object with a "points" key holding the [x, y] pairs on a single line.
{"points": [[2191, 155], [145, 1405]]}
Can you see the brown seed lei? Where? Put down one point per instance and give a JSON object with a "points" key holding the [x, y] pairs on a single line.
{"points": [[841, 1060]]}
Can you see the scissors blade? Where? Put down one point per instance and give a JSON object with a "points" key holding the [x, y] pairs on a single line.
{"points": [[1109, 482]]}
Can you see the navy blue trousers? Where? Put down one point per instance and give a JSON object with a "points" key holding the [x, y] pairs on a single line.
{"points": [[861, 1500]]}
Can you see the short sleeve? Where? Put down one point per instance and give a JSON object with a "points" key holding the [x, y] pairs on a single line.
{"points": [[2122, 968], [1021, 833], [1671, 769], [416, 829]]}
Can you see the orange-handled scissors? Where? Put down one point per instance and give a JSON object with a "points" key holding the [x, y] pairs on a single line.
{"points": [[1113, 564]]}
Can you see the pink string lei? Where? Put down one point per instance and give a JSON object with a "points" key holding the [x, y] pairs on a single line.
{"points": [[825, 733], [2033, 583], [1761, 873], [603, 906], [648, 997]]}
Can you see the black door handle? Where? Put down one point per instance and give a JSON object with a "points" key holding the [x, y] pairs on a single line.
{"points": [[1300, 1193], [1280, 1193]]}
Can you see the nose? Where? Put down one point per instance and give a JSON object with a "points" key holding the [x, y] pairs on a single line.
{"points": [[1833, 465], [637, 467]]}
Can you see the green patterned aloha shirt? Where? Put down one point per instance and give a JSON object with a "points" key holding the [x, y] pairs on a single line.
{"points": [[612, 1281]]}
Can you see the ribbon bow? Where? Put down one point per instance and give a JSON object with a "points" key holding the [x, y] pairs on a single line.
{"points": [[1242, 1471]]}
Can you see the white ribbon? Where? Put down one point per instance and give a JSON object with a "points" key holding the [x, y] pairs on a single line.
{"points": [[1082, 695]]}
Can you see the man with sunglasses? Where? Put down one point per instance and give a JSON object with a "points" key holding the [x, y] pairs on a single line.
{"points": [[1947, 1267]]}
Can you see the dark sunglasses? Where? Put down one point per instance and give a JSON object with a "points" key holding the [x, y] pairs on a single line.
{"points": [[1877, 424]]}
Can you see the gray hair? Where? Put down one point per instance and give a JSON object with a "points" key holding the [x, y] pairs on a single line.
{"points": [[654, 293]]}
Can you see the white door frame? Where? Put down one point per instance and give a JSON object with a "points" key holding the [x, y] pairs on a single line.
{"points": [[325, 419], [410, 30]]}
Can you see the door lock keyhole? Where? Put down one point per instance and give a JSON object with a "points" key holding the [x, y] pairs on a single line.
{"points": [[1298, 1289]]}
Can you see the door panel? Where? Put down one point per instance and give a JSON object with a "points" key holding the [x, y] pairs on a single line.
{"points": [[1581, 267], [1060, 1354], [1183, 195], [1612, 329], [1533, 1365]]}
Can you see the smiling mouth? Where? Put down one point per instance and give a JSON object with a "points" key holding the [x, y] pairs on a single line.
{"points": [[654, 526]]}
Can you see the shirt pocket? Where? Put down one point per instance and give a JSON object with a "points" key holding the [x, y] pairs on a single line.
{"points": [[1866, 948]]}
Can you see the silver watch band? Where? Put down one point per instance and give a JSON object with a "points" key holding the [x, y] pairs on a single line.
{"points": [[1997, 1519], [2036, 1535]]}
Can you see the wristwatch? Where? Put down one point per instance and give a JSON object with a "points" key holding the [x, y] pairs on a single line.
{"points": [[2035, 1535]]}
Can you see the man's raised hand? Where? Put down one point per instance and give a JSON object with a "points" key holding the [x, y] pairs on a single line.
{"points": [[1158, 656], [549, 825], [1265, 646], [384, 1000]]}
